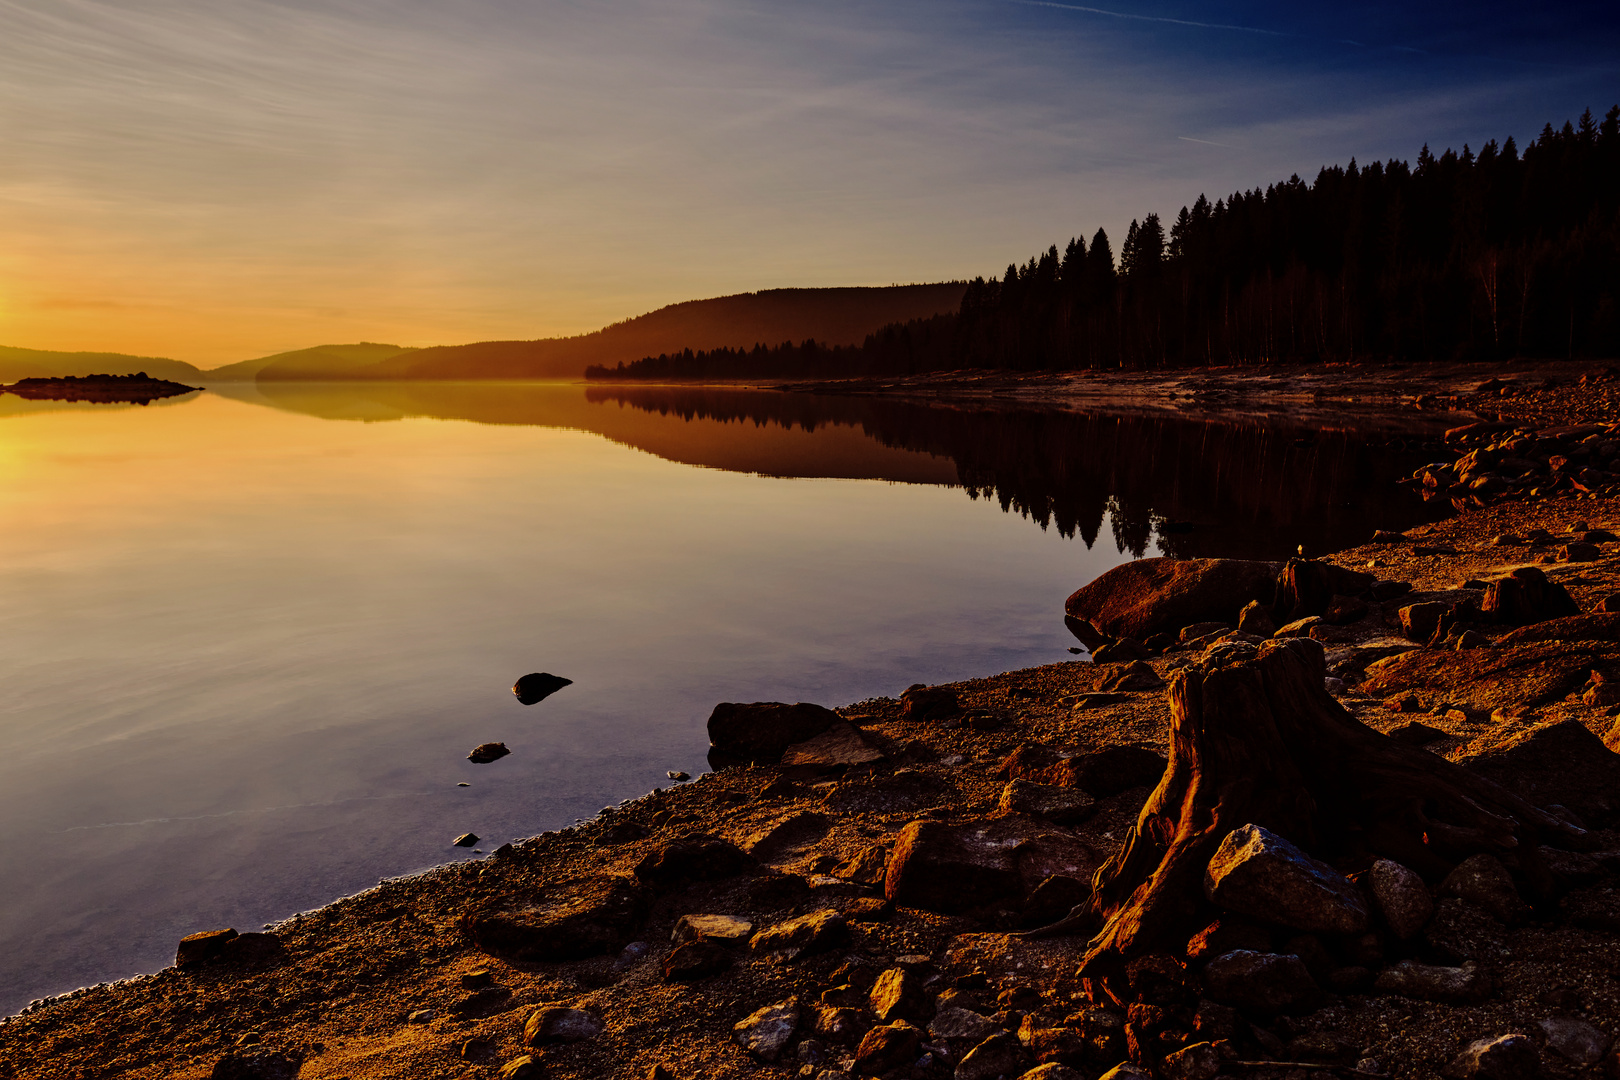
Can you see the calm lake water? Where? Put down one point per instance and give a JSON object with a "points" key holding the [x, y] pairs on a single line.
{"points": [[251, 634]]}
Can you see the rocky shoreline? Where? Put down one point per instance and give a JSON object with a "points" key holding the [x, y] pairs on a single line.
{"points": [[872, 890]]}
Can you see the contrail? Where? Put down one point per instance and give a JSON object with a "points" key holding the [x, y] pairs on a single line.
{"points": [[1151, 18], [1205, 142]]}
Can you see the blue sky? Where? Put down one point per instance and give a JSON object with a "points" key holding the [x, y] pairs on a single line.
{"points": [[215, 180]]}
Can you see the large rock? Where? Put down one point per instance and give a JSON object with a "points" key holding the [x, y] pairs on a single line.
{"points": [[815, 932], [1200, 1061], [888, 1047], [721, 929], [788, 837], [1063, 805], [1527, 596], [536, 686], [1600, 626], [761, 731], [898, 995], [694, 857], [1560, 764], [1431, 983], [203, 946], [558, 1024], [999, 1055], [571, 919], [956, 868], [1506, 1057], [1402, 897], [765, 1033], [1261, 983], [1307, 587], [1481, 680], [696, 960], [1152, 596], [840, 744], [1101, 772], [1575, 1040], [1483, 881], [960, 1030], [1257, 873]]}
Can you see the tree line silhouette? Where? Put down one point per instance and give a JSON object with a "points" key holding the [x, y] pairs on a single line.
{"points": [[1462, 256]]}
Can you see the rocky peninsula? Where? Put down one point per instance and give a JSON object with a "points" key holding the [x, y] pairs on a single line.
{"points": [[1350, 816]]}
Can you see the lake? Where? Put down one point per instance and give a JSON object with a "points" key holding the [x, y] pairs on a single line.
{"points": [[251, 634]]}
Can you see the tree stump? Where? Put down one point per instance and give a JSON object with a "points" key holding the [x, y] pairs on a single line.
{"points": [[1255, 738]]}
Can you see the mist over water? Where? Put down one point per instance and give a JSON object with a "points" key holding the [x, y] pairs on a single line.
{"points": [[250, 639]]}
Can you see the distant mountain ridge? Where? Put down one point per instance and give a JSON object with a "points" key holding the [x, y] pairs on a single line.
{"points": [[18, 363], [838, 316]]}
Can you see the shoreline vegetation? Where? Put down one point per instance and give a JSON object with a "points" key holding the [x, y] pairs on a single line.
{"points": [[863, 893]]}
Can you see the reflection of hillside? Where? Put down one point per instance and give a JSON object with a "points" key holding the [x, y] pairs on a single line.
{"points": [[1248, 486]]}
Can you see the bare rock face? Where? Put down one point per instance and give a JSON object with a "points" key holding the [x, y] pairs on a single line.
{"points": [[1506, 1057], [888, 1047], [693, 858], [765, 1033], [1261, 983], [571, 920], [956, 868], [1063, 805], [1402, 897], [1483, 680], [760, 731], [1483, 881], [1560, 764], [562, 1025], [1153, 596], [1527, 596], [1257, 873]]}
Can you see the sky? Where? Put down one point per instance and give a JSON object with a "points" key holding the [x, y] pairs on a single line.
{"points": [[213, 180]]}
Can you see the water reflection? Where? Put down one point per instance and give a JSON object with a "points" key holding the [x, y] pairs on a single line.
{"points": [[1205, 485]]}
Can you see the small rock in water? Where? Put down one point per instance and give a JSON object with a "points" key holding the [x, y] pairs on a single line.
{"points": [[677, 775], [484, 753], [466, 839], [539, 685]]}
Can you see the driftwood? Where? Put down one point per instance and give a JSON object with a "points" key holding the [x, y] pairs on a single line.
{"points": [[1255, 738]]}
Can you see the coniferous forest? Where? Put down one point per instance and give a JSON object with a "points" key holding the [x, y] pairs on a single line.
{"points": [[1497, 253]]}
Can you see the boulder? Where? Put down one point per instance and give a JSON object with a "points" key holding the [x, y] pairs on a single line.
{"points": [[570, 920], [1599, 626], [1482, 681], [1255, 618], [787, 837], [694, 857], [721, 929], [898, 995], [1561, 764], [1429, 982], [815, 932], [1136, 675], [888, 1047], [1506, 1057], [1527, 596], [696, 960], [765, 1033], [1257, 873], [1151, 596], [1200, 1061], [1261, 983], [1483, 881], [1575, 1040], [999, 1055], [1419, 621], [929, 703], [1063, 805], [1101, 773], [1402, 897], [201, 947], [557, 1024], [536, 686], [840, 745], [761, 731], [960, 1030], [956, 868], [1307, 587]]}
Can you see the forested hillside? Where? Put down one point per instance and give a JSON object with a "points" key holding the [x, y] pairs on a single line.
{"points": [[1493, 253]]}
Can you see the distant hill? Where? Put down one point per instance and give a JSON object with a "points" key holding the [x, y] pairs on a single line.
{"points": [[321, 362], [841, 316], [18, 363]]}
